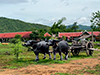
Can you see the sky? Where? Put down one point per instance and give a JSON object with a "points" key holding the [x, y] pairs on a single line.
{"points": [[49, 11]]}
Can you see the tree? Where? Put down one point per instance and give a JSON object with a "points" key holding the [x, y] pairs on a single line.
{"points": [[41, 33], [95, 20], [16, 39], [58, 26], [74, 27], [38, 34], [34, 35], [17, 36], [17, 49]]}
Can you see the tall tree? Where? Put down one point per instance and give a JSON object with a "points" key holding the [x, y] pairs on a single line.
{"points": [[34, 35], [95, 20], [58, 26], [38, 34], [75, 27]]}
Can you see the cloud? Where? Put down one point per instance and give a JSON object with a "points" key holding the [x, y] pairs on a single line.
{"points": [[83, 9], [49, 11], [83, 20], [12, 1], [22, 9], [66, 2], [34, 1], [48, 22]]}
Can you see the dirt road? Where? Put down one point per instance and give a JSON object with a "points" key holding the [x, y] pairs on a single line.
{"points": [[53, 68]]}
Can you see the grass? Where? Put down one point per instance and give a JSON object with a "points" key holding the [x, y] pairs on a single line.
{"points": [[63, 74], [97, 46], [88, 70], [26, 58], [96, 42]]}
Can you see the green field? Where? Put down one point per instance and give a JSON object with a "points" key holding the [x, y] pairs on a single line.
{"points": [[26, 58]]}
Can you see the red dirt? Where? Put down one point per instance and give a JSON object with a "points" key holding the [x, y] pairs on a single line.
{"points": [[53, 68]]}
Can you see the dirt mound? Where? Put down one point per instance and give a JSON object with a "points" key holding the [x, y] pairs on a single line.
{"points": [[53, 68]]}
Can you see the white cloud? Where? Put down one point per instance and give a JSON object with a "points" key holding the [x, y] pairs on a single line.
{"points": [[48, 22], [83, 20], [12, 1], [49, 11], [83, 9]]}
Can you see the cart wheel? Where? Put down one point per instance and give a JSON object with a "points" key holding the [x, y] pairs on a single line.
{"points": [[89, 52]]}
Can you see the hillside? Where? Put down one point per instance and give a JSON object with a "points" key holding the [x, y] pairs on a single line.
{"points": [[12, 25], [82, 27]]}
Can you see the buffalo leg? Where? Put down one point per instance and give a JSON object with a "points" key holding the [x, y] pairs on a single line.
{"points": [[66, 56], [49, 55], [37, 54], [37, 58], [54, 55], [61, 58], [44, 56]]}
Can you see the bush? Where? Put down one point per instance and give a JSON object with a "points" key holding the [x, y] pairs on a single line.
{"points": [[16, 39], [17, 47]]}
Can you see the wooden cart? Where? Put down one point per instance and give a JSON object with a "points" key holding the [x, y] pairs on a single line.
{"points": [[78, 46], [83, 45]]}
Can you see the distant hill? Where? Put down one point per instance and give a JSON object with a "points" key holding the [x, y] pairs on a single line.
{"points": [[82, 27], [12, 25]]}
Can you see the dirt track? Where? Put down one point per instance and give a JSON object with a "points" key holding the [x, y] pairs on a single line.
{"points": [[53, 68]]}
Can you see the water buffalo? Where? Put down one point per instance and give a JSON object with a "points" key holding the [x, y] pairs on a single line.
{"points": [[42, 48], [61, 46], [39, 47], [32, 43]]}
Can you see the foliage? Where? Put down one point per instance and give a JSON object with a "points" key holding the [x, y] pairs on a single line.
{"points": [[15, 39], [27, 57], [12, 25], [38, 34], [58, 26], [34, 35], [73, 28], [64, 37], [17, 36], [64, 74], [90, 70], [41, 33], [95, 20], [17, 49]]}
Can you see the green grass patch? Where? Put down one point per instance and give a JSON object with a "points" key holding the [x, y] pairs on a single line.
{"points": [[96, 42], [88, 70], [64, 74], [27, 57], [96, 46]]}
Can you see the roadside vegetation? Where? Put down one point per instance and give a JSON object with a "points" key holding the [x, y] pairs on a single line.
{"points": [[14, 55], [8, 59]]}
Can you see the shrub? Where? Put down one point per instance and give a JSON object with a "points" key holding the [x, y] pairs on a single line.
{"points": [[17, 49]]}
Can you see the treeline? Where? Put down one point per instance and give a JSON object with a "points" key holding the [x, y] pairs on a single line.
{"points": [[60, 27], [12, 25], [54, 29]]}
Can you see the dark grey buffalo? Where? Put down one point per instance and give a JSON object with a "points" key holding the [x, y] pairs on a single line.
{"points": [[32, 43], [39, 47], [42, 48], [59, 46]]}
